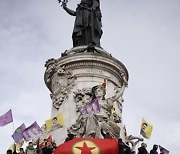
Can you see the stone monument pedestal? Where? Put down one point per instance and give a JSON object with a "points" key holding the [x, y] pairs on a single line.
{"points": [[70, 80]]}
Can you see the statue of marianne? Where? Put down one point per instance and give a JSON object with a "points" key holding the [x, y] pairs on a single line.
{"points": [[87, 27]]}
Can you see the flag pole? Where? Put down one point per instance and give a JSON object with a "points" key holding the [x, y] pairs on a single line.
{"points": [[14, 145]]}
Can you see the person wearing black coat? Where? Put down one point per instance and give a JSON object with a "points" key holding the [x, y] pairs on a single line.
{"points": [[142, 149], [154, 150]]}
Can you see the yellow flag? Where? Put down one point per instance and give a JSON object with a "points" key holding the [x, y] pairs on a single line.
{"points": [[18, 145], [54, 123], [146, 129]]}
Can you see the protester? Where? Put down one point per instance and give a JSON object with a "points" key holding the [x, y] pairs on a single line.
{"points": [[106, 134], [30, 149], [154, 150], [9, 152], [142, 149], [21, 151], [70, 137], [48, 148], [128, 150], [54, 145], [123, 149]]}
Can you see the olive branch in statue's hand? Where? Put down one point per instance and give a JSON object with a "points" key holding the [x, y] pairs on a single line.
{"points": [[64, 2]]}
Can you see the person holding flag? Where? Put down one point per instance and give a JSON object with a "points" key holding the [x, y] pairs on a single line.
{"points": [[142, 149], [30, 149]]}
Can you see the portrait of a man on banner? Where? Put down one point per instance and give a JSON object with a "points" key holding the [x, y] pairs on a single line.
{"points": [[55, 123]]}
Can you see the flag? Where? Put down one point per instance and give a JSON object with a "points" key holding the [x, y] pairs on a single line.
{"points": [[104, 84], [163, 150], [18, 145], [88, 146], [91, 108], [6, 118], [146, 129], [54, 123], [49, 139], [125, 131], [18, 133], [32, 132]]}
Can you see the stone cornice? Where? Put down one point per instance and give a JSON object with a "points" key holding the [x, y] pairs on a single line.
{"points": [[80, 58]]}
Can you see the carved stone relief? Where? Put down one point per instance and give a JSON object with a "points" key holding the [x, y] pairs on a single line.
{"points": [[82, 97], [95, 113], [59, 81]]}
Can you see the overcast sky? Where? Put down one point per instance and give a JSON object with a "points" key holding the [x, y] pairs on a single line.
{"points": [[143, 34]]}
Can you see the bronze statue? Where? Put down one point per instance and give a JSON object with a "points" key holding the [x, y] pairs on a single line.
{"points": [[87, 27]]}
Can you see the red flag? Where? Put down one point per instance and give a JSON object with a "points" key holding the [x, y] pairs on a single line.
{"points": [[88, 146], [125, 131], [49, 139], [104, 84]]}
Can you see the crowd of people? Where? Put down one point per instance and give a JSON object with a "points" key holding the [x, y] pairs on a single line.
{"points": [[143, 150], [125, 149], [46, 147]]}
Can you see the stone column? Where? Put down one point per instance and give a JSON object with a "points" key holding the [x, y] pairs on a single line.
{"points": [[71, 78]]}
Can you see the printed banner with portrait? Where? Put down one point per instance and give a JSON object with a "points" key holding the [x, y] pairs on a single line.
{"points": [[32, 132], [54, 123], [146, 129]]}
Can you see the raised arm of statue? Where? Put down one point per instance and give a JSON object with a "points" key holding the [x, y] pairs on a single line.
{"points": [[69, 11], [119, 93]]}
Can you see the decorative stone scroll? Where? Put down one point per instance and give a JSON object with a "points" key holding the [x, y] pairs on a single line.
{"points": [[59, 82]]}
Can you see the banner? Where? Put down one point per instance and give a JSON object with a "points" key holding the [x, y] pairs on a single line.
{"points": [[146, 129], [90, 108], [6, 118], [54, 123], [32, 132], [163, 150], [49, 139], [17, 145], [18, 133], [88, 146]]}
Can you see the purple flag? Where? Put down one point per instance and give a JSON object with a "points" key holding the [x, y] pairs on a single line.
{"points": [[90, 108], [6, 118], [163, 150], [32, 131], [18, 133]]}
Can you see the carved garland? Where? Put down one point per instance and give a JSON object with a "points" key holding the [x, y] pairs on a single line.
{"points": [[59, 82]]}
